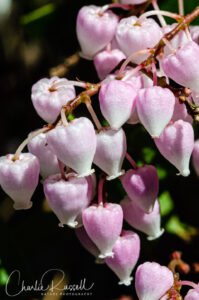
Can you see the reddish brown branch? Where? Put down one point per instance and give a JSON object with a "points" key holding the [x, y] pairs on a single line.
{"points": [[183, 93], [170, 35]]}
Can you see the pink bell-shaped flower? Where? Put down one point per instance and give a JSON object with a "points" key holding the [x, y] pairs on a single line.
{"points": [[103, 223], [126, 253], [132, 37], [195, 157], [195, 98], [182, 66], [88, 244], [137, 218], [176, 144], [86, 241], [155, 106], [152, 281], [193, 294], [49, 95], [106, 61], [47, 159], [110, 151], [142, 186], [66, 197], [75, 145], [136, 80], [179, 39], [180, 113], [134, 119], [19, 178], [91, 180], [114, 45], [95, 29], [91, 186], [194, 30], [117, 102], [144, 82]]}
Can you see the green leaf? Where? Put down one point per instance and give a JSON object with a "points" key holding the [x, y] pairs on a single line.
{"points": [[162, 173], [38, 14], [148, 154], [105, 123], [140, 163], [71, 117], [166, 203], [3, 276], [182, 230]]}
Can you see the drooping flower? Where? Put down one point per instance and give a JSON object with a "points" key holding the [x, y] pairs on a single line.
{"points": [[103, 224], [19, 178], [49, 95], [126, 253], [75, 145]]}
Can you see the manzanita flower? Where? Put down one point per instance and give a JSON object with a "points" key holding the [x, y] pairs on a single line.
{"points": [[106, 61], [136, 80], [133, 37], [103, 223], [49, 95], [117, 102], [74, 144], [195, 157], [142, 186], [195, 98], [152, 281], [66, 197], [110, 151], [178, 40], [139, 81], [114, 44], [87, 243], [194, 30], [91, 180], [91, 186], [19, 178], [176, 144], [192, 294], [155, 106], [180, 112], [182, 66], [95, 29], [47, 159], [126, 253], [134, 119], [137, 218], [146, 81]]}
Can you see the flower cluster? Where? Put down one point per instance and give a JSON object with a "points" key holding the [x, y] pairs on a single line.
{"points": [[137, 61]]}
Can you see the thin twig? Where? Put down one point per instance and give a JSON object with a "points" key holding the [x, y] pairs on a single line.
{"points": [[160, 17], [100, 190], [87, 101], [131, 160], [181, 7]]}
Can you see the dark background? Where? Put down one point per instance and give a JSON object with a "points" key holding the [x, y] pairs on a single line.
{"points": [[31, 241]]}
